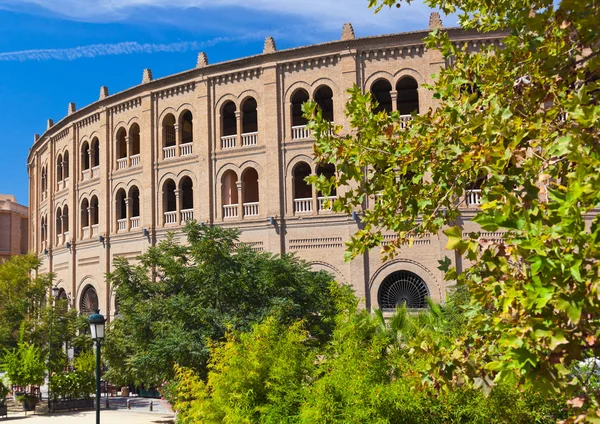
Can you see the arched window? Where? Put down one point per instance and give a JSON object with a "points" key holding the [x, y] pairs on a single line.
{"points": [[134, 139], [324, 98], [65, 222], [59, 174], [94, 210], [187, 193], [89, 301], [328, 170], [169, 137], [85, 205], [44, 179], [298, 99], [59, 229], [249, 116], [43, 229], [85, 156], [169, 202], [302, 189], [228, 121], [381, 92], [121, 204], [66, 165], [134, 198], [250, 192], [229, 194], [402, 288], [122, 143], [95, 152], [187, 128], [408, 96]]}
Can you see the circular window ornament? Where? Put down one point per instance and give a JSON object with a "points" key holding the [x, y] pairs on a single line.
{"points": [[89, 301], [402, 288]]}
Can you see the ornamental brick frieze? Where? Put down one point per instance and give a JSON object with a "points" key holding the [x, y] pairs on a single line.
{"points": [[89, 120], [311, 63], [128, 105], [60, 135], [245, 75], [393, 52], [175, 91]]}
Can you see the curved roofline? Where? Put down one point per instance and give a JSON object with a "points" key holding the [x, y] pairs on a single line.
{"points": [[413, 37]]}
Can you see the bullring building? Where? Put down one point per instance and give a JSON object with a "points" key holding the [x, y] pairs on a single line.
{"points": [[226, 144]]}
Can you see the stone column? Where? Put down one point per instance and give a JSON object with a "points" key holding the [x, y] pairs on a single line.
{"points": [[90, 231], [240, 200], [128, 142], [394, 95], [238, 126], [127, 214], [315, 201], [177, 139], [178, 205]]}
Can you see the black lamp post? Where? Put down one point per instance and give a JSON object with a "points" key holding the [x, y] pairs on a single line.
{"points": [[97, 328]]}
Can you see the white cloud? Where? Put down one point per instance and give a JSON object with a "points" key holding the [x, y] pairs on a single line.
{"points": [[323, 13], [95, 50]]}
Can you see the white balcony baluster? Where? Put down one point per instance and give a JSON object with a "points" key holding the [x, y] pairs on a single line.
{"points": [[135, 222], [60, 239], [169, 152], [171, 218], [404, 120], [86, 232], [122, 224], [251, 209], [228, 141], [186, 215], [300, 132], [135, 160], [85, 174], [326, 202], [303, 205], [473, 197], [95, 171], [121, 163], [66, 236], [250, 139], [185, 149], [230, 211], [95, 230]]}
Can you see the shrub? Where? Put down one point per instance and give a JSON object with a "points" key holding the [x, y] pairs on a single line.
{"points": [[71, 385]]}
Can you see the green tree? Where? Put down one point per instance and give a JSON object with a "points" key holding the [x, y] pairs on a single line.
{"points": [[181, 296], [523, 120]]}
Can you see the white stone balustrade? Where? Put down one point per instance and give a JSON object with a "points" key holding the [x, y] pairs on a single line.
{"points": [[122, 163], [95, 231], [60, 185], [85, 174], [300, 132], [185, 149], [250, 139], [171, 218], [404, 120], [122, 224], [326, 202], [134, 222], [60, 239], [135, 160], [473, 197], [303, 205], [95, 171], [230, 211], [85, 232], [228, 141], [169, 152], [186, 215], [251, 209]]}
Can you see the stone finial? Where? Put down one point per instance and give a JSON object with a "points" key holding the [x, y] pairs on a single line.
{"points": [[202, 60], [36, 137], [103, 92], [435, 21], [72, 108], [269, 45], [147, 77], [49, 124], [348, 32]]}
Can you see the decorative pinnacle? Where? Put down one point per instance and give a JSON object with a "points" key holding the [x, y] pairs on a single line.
{"points": [[348, 32], [147, 77], [49, 124], [103, 92], [72, 108], [202, 60], [36, 137], [269, 45], [435, 21]]}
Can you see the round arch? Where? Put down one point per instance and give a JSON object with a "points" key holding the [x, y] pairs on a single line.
{"points": [[324, 266]]}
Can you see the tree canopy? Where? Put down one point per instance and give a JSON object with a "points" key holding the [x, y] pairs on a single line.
{"points": [[523, 121]]}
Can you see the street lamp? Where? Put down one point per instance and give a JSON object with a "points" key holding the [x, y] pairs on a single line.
{"points": [[97, 328]]}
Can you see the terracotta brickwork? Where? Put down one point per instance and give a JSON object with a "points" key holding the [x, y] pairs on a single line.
{"points": [[14, 227], [223, 144]]}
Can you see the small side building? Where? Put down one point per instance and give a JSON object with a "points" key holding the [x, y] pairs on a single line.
{"points": [[14, 227]]}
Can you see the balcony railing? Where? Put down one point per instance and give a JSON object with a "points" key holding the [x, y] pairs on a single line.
{"points": [[122, 163], [44, 195], [66, 182], [66, 236], [250, 139], [122, 224], [300, 132], [95, 171], [95, 231], [228, 141], [171, 218], [169, 152], [85, 174], [135, 160], [186, 215], [185, 149], [230, 211], [85, 232], [60, 185], [134, 222], [404, 120], [473, 197], [303, 205], [326, 202], [251, 209], [60, 239]]}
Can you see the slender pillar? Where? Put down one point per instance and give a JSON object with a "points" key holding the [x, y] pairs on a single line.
{"points": [[238, 126], [394, 95]]}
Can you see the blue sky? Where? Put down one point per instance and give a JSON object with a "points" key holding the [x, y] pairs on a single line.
{"points": [[53, 52]]}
